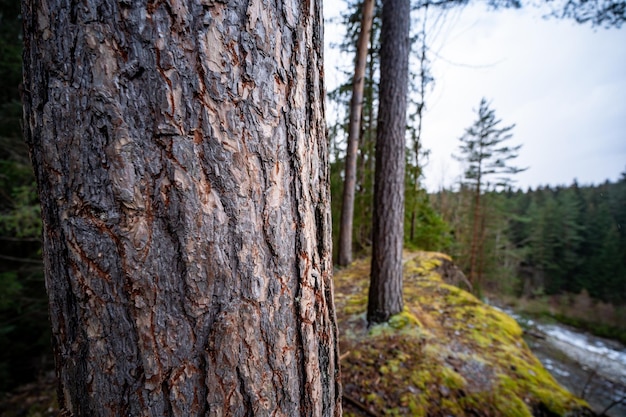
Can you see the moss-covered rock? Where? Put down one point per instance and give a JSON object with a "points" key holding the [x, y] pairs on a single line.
{"points": [[446, 354]]}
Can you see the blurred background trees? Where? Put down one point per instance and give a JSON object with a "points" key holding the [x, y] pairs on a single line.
{"points": [[548, 241], [24, 326], [486, 160], [519, 243]]}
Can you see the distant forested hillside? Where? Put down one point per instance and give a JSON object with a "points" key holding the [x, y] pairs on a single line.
{"points": [[551, 240]]}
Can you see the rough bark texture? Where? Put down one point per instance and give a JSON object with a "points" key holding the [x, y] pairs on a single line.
{"points": [[354, 130], [385, 293], [180, 152]]}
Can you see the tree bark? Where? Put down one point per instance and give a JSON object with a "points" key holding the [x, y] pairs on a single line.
{"points": [[181, 160], [476, 215], [354, 131], [385, 292]]}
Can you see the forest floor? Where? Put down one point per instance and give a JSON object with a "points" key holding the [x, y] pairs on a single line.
{"points": [[447, 353], [36, 399]]}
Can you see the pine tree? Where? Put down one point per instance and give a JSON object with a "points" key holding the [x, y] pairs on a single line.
{"points": [[342, 97], [354, 131], [186, 219], [385, 292], [486, 156]]}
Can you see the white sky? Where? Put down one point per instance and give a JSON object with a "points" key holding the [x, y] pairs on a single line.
{"points": [[562, 84]]}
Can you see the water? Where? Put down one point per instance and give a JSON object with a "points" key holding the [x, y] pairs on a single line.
{"points": [[590, 367], [608, 358]]}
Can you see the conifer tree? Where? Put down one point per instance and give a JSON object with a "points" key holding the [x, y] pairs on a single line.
{"points": [[354, 131], [184, 194], [339, 134], [486, 156], [385, 292]]}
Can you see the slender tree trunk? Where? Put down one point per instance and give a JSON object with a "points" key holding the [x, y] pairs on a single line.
{"points": [[385, 292], [181, 159], [475, 235], [420, 110], [366, 155], [354, 131], [480, 251]]}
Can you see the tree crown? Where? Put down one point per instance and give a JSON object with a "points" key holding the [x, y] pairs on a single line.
{"points": [[484, 150]]}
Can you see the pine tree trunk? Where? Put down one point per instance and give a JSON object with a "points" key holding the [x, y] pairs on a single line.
{"points": [[354, 131], [475, 236], [385, 293], [365, 167], [181, 159], [480, 251]]}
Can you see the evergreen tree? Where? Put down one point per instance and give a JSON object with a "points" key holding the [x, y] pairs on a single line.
{"points": [[424, 227], [339, 133], [354, 131], [186, 221], [485, 154], [385, 292], [571, 241], [599, 267]]}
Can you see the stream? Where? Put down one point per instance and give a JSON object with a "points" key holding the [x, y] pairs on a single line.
{"points": [[588, 366]]}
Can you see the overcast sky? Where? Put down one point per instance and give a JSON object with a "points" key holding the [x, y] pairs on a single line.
{"points": [[562, 84]]}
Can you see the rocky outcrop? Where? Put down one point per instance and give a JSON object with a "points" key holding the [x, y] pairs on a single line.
{"points": [[451, 274]]}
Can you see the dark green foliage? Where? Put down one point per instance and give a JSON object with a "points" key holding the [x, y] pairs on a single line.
{"points": [[548, 241], [598, 329], [499, 258], [487, 159], [574, 239], [24, 328], [424, 228], [555, 237], [484, 151]]}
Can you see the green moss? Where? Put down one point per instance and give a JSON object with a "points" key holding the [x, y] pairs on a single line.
{"points": [[450, 406], [446, 353], [451, 378], [416, 407], [511, 405], [372, 397], [356, 304], [423, 264], [403, 319]]}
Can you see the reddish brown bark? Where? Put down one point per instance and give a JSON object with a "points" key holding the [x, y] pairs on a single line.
{"points": [[354, 130], [385, 293], [181, 158]]}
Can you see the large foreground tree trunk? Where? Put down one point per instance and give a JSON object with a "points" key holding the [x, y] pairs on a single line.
{"points": [[385, 293], [354, 131], [180, 153]]}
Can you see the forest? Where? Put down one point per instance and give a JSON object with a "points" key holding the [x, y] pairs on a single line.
{"points": [[553, 240], [562, 245], [552, 243], [557, 250], [24, 326]]}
